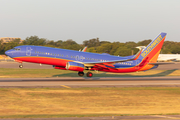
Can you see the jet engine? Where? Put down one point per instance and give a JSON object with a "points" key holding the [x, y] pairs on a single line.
{"points": [[74, 66], [59, 67]]}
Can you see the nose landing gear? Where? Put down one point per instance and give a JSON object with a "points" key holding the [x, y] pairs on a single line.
{"points": [[81, 74], [21, 66]]}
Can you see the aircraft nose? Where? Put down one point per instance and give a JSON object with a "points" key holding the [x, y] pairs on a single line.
{"points": [[8, 53]]}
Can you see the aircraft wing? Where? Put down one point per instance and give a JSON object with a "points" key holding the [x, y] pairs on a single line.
{"points": [[104, 64], [107, 62]]}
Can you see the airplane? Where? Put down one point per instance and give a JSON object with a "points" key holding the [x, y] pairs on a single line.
{"points": [[79, 61], [164, 57], [169, 57]]}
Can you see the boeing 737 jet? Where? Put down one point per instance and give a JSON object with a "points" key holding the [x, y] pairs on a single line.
{"points": [[79, 61]]}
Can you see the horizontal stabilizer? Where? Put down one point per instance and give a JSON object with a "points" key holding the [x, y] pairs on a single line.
{"points": [[161, 63]]}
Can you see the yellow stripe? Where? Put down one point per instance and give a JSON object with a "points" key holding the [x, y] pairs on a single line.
{"points": [[65, 86], [166, 117]]}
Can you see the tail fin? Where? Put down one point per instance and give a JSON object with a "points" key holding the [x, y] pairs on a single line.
{"points": [[151, 52]]}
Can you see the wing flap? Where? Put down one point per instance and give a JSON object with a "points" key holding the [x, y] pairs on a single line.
{"points": [[105, 67]]}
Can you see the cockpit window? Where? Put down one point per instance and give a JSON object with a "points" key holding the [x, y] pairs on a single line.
{"points": [[16, 49]]}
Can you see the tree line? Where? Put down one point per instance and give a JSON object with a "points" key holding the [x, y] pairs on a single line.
{"points": [[94, 45]]}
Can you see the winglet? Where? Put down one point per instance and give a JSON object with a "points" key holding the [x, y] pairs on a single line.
{"points": [[137, 55], [85, 48], [141, 47]]}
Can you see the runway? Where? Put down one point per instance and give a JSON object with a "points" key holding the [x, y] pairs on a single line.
{"points": [[76, 82]]}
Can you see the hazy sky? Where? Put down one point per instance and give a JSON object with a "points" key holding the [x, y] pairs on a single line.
{"points": [[109, 20]]}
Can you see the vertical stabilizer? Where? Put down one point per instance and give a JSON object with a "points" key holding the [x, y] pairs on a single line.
{"points": [[153, 49], [151, 52]]}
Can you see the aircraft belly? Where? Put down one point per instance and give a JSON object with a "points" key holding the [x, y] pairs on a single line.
{"points": [[44, 60]]}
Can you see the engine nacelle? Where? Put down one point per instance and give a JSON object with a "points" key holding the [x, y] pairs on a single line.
{"points": [[75, 66], [59, 67]]}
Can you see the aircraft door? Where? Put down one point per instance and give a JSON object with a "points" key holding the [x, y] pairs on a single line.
{"points": [[28, 51], [79, 58]]}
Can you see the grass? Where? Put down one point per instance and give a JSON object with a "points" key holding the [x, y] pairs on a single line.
{"points": [[79, 102], [34, 73]]}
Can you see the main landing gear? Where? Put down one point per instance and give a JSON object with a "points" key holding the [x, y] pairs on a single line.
{"points": [[88, 74], [81, 73]]}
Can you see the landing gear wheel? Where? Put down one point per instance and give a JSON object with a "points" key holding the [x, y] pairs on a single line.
{"points": [[81, 73], [20, 66], [89, 74]]}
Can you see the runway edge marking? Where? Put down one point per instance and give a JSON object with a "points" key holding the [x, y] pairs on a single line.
{"points": [[65, 86], [161, 116]]}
